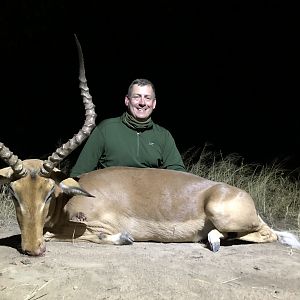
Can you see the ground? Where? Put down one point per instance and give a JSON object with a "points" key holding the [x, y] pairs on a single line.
{"points": [[73, 270]]}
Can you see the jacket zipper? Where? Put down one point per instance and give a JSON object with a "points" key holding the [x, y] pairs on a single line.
{"points": [[138, 143]]}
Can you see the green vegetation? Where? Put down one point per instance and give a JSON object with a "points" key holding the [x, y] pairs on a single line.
{"points": [[275, 192]]}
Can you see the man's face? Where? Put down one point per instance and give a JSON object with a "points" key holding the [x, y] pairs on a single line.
{"points": [[141, 102]]}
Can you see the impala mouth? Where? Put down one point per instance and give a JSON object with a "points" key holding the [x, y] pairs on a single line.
{"points": [[38, 252]]}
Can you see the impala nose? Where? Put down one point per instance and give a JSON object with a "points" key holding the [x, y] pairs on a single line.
{"points": [[36, 252]]}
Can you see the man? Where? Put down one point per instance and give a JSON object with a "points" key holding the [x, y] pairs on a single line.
{"points": [[132, 139]]}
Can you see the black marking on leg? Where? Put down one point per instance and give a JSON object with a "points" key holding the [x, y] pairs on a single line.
{"points": [[102, 236]]}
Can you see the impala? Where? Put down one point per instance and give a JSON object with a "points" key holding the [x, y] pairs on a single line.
{"points": [[119, 205]]}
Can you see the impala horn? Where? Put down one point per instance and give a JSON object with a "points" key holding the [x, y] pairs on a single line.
{"points": [[13, 161], [89, 124]]}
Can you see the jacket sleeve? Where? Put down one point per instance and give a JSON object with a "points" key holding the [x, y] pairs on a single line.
{"points": [[171, 156], [90, 154]]}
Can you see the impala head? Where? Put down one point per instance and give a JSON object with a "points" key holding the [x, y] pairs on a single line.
{"points": [[35, 183]]}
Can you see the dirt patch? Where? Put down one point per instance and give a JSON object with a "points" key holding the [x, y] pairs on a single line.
{"points": [[147, 271]]}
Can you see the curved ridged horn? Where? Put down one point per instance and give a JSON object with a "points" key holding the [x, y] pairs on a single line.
{"points": [[83, 133], [13, 161]]}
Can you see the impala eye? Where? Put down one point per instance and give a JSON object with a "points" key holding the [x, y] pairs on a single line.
{"points": [[11, 191], [12, 195]]}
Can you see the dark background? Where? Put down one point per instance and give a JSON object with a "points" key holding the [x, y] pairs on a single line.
{"points": [[226, 73]]}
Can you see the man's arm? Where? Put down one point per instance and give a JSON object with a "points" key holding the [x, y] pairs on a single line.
{"points": [[171, 156]]}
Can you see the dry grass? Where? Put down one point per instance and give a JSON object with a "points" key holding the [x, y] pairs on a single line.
{"points": [[7, 209], [276, 193]]}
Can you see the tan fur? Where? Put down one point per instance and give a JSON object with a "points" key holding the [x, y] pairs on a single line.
{"points": [[132, 204]]}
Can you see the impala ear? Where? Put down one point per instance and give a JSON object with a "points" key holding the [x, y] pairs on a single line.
{"points": [[57, 175], [6, 175], [71, 187]]}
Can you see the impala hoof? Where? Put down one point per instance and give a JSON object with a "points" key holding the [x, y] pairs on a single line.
{"points": [[126, 238], [214, 247]]}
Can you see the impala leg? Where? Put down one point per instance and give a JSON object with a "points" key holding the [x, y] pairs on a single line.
{"points": [[262, 235], [214, 237], [100, 232], [122, 238]]}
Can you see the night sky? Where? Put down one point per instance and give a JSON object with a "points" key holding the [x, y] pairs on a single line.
{"points": [[226, 74]]}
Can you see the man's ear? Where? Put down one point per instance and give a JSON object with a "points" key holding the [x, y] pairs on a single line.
{"points": [[154, 103], [126, 100]]}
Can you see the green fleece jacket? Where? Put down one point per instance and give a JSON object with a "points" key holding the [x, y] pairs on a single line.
{"points": [[112, 143]]}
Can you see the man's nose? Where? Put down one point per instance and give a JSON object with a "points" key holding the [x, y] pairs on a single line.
{"points": [[142, 100]]}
